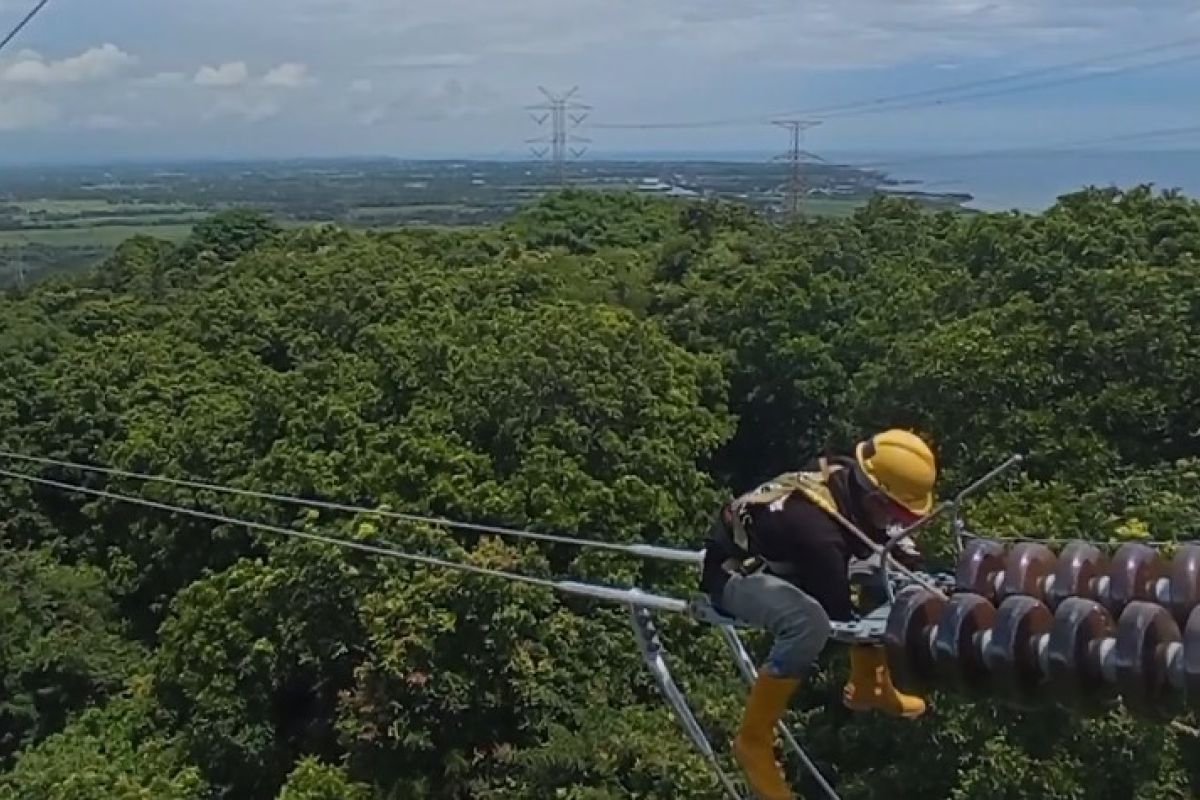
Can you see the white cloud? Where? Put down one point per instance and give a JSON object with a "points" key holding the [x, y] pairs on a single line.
{"points": [[164, 79], [21, 113], [234, 73], [432, 61], [289, 76], [823, 33], [236, 63], [373, 116], [244, 109], [106, 122], [94, 64], [448, 100]]}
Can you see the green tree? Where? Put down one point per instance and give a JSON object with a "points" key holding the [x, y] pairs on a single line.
{"points": [[252, 662], [111, 753], [61, 646], [312, 780], [605, 363]]}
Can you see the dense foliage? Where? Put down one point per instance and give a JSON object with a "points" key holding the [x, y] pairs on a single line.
{"points": [[604, 364]]}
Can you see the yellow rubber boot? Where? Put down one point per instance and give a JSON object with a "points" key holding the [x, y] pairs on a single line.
{"points": [[870, 686], [754, 746]]}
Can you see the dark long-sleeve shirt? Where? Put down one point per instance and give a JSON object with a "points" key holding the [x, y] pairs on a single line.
{"points": [[815, 548]]}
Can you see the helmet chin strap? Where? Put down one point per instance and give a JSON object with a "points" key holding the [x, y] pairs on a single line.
{"points": [[861, 493], [862, 487]]}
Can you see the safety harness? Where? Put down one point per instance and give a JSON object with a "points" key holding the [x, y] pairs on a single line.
{"points": [[774, 493]]}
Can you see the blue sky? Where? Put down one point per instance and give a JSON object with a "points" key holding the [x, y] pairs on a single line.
{"points": [[91, 80]]}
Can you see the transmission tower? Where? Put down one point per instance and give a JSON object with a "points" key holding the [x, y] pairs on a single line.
{"points": [[795, 156], [557, 110], [20, 262]]}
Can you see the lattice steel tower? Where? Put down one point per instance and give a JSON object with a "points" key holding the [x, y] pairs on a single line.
{"points": [[557, 110], [795, 156]]}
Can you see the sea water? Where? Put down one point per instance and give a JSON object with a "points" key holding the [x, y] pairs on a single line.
{"points": [[1033, 181]]}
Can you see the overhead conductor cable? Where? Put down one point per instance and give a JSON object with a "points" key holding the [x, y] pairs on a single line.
{"points": [[20, 25], [642, 550], [612, 594]]}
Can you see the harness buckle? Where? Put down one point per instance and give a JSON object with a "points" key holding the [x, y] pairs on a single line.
{"points": [[743, 566]]}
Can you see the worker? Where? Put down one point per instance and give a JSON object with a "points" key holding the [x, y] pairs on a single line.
{"points": [[777, 558]]}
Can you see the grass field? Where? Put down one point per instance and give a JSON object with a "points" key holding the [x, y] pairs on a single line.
{"points": [[49, 235], [88, 228], [145, 220], [98, 236], [47, 206], [830, 206]]}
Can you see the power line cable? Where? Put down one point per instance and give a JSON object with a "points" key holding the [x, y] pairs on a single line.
{"points": [[1062, 147], [872, 104], [20, 25], [641, 550], [635, 596], [974, 84], [1006, 90]]}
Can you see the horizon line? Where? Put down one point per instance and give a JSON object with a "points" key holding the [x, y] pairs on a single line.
{"points": [[715, 156]]}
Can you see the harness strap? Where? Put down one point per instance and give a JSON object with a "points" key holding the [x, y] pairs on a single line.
{"points": [[813, 485]]}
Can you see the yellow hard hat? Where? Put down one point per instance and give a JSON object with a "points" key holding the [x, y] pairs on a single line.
{"points": [[901, 466]]}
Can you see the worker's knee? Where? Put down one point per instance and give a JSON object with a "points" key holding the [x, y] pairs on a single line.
{"points": [[799, 624], [800, 636], [806, 623]]}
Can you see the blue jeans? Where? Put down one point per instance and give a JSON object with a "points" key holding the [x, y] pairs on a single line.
{"points": [[797, 621]]}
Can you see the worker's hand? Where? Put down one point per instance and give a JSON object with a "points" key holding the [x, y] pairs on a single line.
{"points": [[907, 554]]}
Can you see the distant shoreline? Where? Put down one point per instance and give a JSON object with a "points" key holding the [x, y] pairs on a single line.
{"points": [[756, 180], [866, 159], [383, 190]]}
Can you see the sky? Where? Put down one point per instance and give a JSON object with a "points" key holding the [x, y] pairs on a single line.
{"points": [[125, 79]]}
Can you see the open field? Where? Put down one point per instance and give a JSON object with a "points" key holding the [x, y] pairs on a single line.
{"points": [[64, 218], [41, 234], [99, 236], [98, 206]]}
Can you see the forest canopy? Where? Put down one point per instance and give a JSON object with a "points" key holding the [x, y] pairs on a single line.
{"points": [[602, 364]]}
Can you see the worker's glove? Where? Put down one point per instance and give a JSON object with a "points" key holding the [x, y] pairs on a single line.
{"points": [[905, 551]]}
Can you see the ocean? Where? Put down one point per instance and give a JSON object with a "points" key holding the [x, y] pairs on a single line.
{"points": [[1026, 181], [1033, 181]]}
